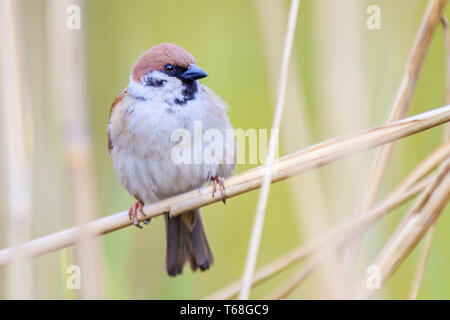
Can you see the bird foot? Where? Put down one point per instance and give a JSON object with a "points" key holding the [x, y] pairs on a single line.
{"points": [[219, 181], [136, 208]]}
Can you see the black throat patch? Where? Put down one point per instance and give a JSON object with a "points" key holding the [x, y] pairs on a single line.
{"points": [[190, 86], [189, 91]]}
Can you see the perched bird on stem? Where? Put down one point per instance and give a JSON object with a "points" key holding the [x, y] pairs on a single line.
{"points": [[163, 112]]}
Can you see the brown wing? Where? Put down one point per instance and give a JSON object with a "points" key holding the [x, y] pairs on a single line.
{"points": [[116, 102]]}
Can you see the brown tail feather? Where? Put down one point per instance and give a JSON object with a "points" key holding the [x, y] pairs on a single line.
{"points": [[186, 241]]}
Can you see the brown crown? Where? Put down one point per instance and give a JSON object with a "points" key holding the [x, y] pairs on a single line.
{"points": [[158, 56]]}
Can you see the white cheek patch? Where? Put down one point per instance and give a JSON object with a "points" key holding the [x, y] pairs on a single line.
{"points": [[165, 88], [153, 80]]}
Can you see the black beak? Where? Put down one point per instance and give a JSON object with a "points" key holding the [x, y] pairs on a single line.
{"points": [[194, 73]]}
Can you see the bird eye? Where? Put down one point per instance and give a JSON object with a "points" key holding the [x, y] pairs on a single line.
{"points": [[168, 67]]}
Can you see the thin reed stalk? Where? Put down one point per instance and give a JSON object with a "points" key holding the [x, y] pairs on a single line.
{"points": [[413, 66], [17, 151], [341, 82], [68, 68], [410, 183], [260, 213], [331, 239], [307, 159], [438, 156], [416, 223], [447, 68], [430, 21], [299, 277], [414, 291], [306, 191], [426, 166]]}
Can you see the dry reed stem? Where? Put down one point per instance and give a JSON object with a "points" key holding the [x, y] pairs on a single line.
{"points": [[393, 201], [306, 190], [406, 190], [405, 221], [429, 23], [413, 66], [341, 82], [429, 237], [331, 239], [422, 263], [292, 283], [411, 181], [447, 65], [17, 149], [416, 223], [428, 164], [260, 214], [414, 291], [69, 79], [312, 157]]}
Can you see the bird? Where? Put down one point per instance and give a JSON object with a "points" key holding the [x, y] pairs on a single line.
{"points": [[163, 96]]}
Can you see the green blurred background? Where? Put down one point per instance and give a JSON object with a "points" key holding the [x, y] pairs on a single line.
{"points": [[347, 77]]}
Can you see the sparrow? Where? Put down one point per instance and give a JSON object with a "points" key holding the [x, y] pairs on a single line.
{"points": [[164, 95]]}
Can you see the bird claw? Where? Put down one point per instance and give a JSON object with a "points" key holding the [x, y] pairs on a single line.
{"points": [[219, 181], [133, 212]]}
